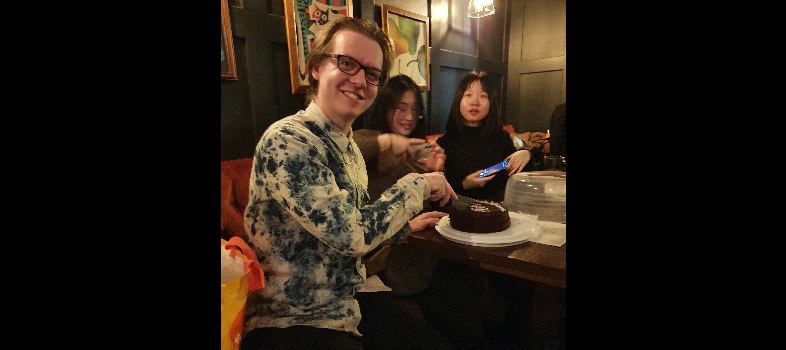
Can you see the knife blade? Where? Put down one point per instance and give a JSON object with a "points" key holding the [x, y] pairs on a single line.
{"points": [[465, 201]]}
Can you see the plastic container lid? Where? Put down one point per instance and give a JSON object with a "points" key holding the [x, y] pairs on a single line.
{"points": [[541, 193]]}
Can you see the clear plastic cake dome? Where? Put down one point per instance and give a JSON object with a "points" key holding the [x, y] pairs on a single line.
{"points": [[540, 193]]}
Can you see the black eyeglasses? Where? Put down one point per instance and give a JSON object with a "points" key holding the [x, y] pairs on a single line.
{"points": [[351, 66]]}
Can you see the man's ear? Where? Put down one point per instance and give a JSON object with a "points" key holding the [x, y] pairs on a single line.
{"points": [[315, 71]]}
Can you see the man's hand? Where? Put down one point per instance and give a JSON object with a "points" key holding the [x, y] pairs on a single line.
{"points": [[429, 219], [440, 188]]}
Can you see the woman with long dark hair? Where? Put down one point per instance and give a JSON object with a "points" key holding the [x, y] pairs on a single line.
{"points": [[474, 140]]}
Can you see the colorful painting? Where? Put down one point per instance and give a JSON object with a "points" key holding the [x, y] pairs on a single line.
{"points": [[409, 33], [304, 19]]}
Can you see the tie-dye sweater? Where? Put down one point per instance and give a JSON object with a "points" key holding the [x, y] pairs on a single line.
{"points": [[309, 225]]}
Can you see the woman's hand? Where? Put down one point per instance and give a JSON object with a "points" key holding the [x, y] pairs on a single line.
{"points": [[436, 160], [473, 181], [399, 145], [440, 188], [517, 161], [429, 219]]}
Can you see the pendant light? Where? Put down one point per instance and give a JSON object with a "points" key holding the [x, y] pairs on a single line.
{"points": [[480, 8]]}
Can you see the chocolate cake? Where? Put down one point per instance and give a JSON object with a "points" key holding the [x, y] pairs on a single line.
{"points": [[479, 217]]}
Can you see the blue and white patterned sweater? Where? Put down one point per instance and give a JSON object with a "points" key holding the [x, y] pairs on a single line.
{"points": [[309, 225]]}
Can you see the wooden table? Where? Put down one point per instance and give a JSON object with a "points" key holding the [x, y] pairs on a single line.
{"points": [[533, 261], [541, 263]]}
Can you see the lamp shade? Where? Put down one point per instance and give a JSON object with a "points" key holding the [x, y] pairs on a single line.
{"points": [[480, 8]]}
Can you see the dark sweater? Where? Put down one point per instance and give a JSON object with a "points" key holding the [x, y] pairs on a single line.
{"points": [[467, 152], [384, 169], [557, 124]]}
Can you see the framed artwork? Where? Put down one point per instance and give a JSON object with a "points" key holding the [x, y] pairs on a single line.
{"points": [[228, 70], [304, 19], [410, 35]]}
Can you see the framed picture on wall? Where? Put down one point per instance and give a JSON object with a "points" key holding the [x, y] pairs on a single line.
{"points": [[304, 19], [410, 34], [228, 70]]}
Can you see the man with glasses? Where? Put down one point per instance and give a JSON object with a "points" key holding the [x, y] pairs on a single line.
{"points": [[351, 66], [308, 218]]}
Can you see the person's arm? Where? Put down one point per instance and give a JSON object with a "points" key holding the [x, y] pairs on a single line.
{"points": [[368, 142], [517, 160], [372, 143], [298, 175]]}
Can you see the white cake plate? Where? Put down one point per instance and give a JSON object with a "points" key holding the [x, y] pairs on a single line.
{"points": [[522, 228]]}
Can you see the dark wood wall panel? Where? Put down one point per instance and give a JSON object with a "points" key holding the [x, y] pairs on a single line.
{"points": [[498, 81], [537, 63], [544, 30], [287, 103], [493, 39], [460, 45], [538, 95], [276, 7], [237, 136], [460, 33], [441, 98]]}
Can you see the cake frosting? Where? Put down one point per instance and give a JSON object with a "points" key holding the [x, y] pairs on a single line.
{"points": [[479, 217]]}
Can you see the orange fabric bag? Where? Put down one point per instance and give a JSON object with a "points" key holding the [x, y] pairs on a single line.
{"points": [[234, 293]]}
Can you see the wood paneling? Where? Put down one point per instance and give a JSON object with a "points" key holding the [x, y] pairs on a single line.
{"points": [[288, 103], [253, 102], [544, 30], [459, 33], [460, 45], [237, 136], [441, 98], [539, 93], [537, 65], [493, 42]]}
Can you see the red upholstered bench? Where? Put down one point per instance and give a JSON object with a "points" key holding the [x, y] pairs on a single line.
{"points": [[234, 196]]}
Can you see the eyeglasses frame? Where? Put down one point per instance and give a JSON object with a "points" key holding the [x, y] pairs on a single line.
{"points": [[382, 76], [399, 110]]}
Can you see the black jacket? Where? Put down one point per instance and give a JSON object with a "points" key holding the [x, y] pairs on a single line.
{"points": [[557, 131]]}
